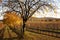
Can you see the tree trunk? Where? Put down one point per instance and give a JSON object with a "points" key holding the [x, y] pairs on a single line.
{"points": [[23, 30], [23, 27]]}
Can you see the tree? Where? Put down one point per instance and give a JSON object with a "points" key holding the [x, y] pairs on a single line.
{"points": [[26, 8]]}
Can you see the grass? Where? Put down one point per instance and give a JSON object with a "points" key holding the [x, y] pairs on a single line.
{"points": [[30, 36], [34, 36]]}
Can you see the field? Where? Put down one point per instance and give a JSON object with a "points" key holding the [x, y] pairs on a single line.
{"points": [[34, 30], [43, 30], [35, 36]]}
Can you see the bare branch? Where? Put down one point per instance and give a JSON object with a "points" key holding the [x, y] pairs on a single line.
{"points": [[35, 4], [21, 9], [38, 8], [35, 11], [21, 2]]}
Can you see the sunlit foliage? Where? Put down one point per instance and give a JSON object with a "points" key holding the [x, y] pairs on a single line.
{"points": [[11, 19], [1, 25]]}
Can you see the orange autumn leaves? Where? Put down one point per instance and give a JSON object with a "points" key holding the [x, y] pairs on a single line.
{"points": [[11, 19], [1, 25]]}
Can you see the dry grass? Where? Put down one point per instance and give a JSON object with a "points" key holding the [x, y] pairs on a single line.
{"points": [[34, 36], [29, 36]]}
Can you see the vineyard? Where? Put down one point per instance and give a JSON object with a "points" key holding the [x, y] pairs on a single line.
{"points": [[33, 31]]}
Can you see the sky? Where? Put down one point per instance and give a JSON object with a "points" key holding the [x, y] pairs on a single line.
{"points": [[50, 13], [55, 3]]}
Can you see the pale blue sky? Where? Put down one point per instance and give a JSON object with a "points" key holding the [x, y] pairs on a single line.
{"points": [[54, 2]]}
